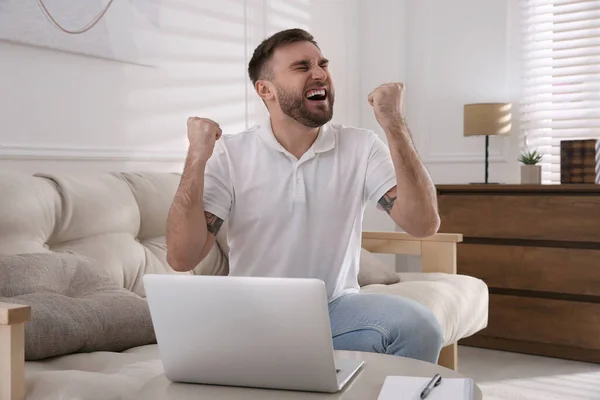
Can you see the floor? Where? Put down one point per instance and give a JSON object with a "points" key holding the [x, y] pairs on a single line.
{"points": [[512, 376]]}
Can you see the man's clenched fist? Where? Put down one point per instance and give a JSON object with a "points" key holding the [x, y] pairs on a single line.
{"points": [[202, 134], [387, 102]]}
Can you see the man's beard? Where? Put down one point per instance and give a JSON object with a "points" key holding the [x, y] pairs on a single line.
{"points": [[293, 106]]}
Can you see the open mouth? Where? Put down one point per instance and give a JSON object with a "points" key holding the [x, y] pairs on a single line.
{"points": [[316, 94]]}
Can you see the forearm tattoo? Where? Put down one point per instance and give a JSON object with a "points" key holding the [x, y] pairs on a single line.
{"points": [[387, 202], [213, 223]]}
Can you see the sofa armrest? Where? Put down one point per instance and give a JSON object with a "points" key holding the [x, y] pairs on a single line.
{"points": [[437, 252], [12, 350]]}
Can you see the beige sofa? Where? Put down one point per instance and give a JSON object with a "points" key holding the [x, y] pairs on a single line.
{"points": [[117, 221]]}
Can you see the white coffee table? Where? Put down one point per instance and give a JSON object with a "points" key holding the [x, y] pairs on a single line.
{"points": [[366, 385]]}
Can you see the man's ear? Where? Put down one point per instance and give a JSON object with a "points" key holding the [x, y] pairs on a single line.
{"points": [[265, 90]]}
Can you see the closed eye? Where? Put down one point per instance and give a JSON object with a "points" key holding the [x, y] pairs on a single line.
{"points": [[304, 65]]}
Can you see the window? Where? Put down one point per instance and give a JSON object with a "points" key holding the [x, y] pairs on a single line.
{"points": [[561, 76]]}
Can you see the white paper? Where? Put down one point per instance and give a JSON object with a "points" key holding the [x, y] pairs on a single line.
{"points": [[410, 388]]}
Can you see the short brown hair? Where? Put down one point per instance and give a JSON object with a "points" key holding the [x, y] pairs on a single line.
{"points": [[265, 50]]}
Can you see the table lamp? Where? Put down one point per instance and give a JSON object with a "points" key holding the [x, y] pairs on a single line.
{"points": [[486, 119]]}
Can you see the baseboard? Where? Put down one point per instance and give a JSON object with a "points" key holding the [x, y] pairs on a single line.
{"points": [[533, 348]]}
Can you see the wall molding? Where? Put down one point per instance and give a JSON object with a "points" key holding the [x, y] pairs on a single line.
{"points": [[463, 158], [495, 156], [65, 153]]}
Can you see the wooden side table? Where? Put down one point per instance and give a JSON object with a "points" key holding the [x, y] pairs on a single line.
{"points": [[537, 247]]}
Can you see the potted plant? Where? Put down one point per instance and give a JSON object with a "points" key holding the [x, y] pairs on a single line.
{"points": [[531, 173]]}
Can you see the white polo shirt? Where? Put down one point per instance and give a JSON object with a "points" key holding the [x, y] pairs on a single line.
{"points": [[297, 218]]}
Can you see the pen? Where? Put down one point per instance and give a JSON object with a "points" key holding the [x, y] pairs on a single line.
{"points": [[435, 381]]}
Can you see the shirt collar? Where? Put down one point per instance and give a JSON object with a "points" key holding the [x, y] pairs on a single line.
{"points": [[325, 139]]}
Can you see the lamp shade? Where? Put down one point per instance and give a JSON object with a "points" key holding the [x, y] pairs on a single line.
{"points": [[487, 119]]}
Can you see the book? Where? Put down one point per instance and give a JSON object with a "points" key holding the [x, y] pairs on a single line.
{"points": [[579, 162], [410, 388]]}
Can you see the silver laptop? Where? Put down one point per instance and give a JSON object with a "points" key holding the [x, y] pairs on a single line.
{"points": [[242, 331]]}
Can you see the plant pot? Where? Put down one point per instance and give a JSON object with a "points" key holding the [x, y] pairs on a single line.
{"points": [[531, 174]]}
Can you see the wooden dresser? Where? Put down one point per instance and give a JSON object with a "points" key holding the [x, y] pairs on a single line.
{"points": [[538, 250]]}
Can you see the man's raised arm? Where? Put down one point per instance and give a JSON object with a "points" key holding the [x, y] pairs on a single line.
{"points": [[190, 230], [412, 203]]}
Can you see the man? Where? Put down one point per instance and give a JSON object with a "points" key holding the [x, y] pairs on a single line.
{"points": [[293, 192]]}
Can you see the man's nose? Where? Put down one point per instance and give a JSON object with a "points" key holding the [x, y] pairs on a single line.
{"points": [[319, 73]]}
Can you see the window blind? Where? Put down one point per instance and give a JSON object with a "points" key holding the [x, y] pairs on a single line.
{"points": [[561, 76]]}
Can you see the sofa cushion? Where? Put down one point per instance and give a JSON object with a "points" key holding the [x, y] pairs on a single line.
{"points": [[28, 213], [116, 219], [76, 305], [459, 302], [373, 271], [93, 376]]}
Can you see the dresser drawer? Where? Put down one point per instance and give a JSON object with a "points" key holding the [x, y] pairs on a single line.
{"points": [[557, 322], [536, 217], [545, 269]]}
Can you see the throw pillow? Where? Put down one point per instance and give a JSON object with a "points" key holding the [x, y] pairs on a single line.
{"points": [[76, 306], [373, 271]]}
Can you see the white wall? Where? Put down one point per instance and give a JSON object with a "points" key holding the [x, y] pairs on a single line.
{"points": [[61, 111], [460, 52], [382, 59], [382, 46]]}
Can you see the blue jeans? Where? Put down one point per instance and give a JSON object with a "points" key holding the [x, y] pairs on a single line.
{"points": [[387, 324]]}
